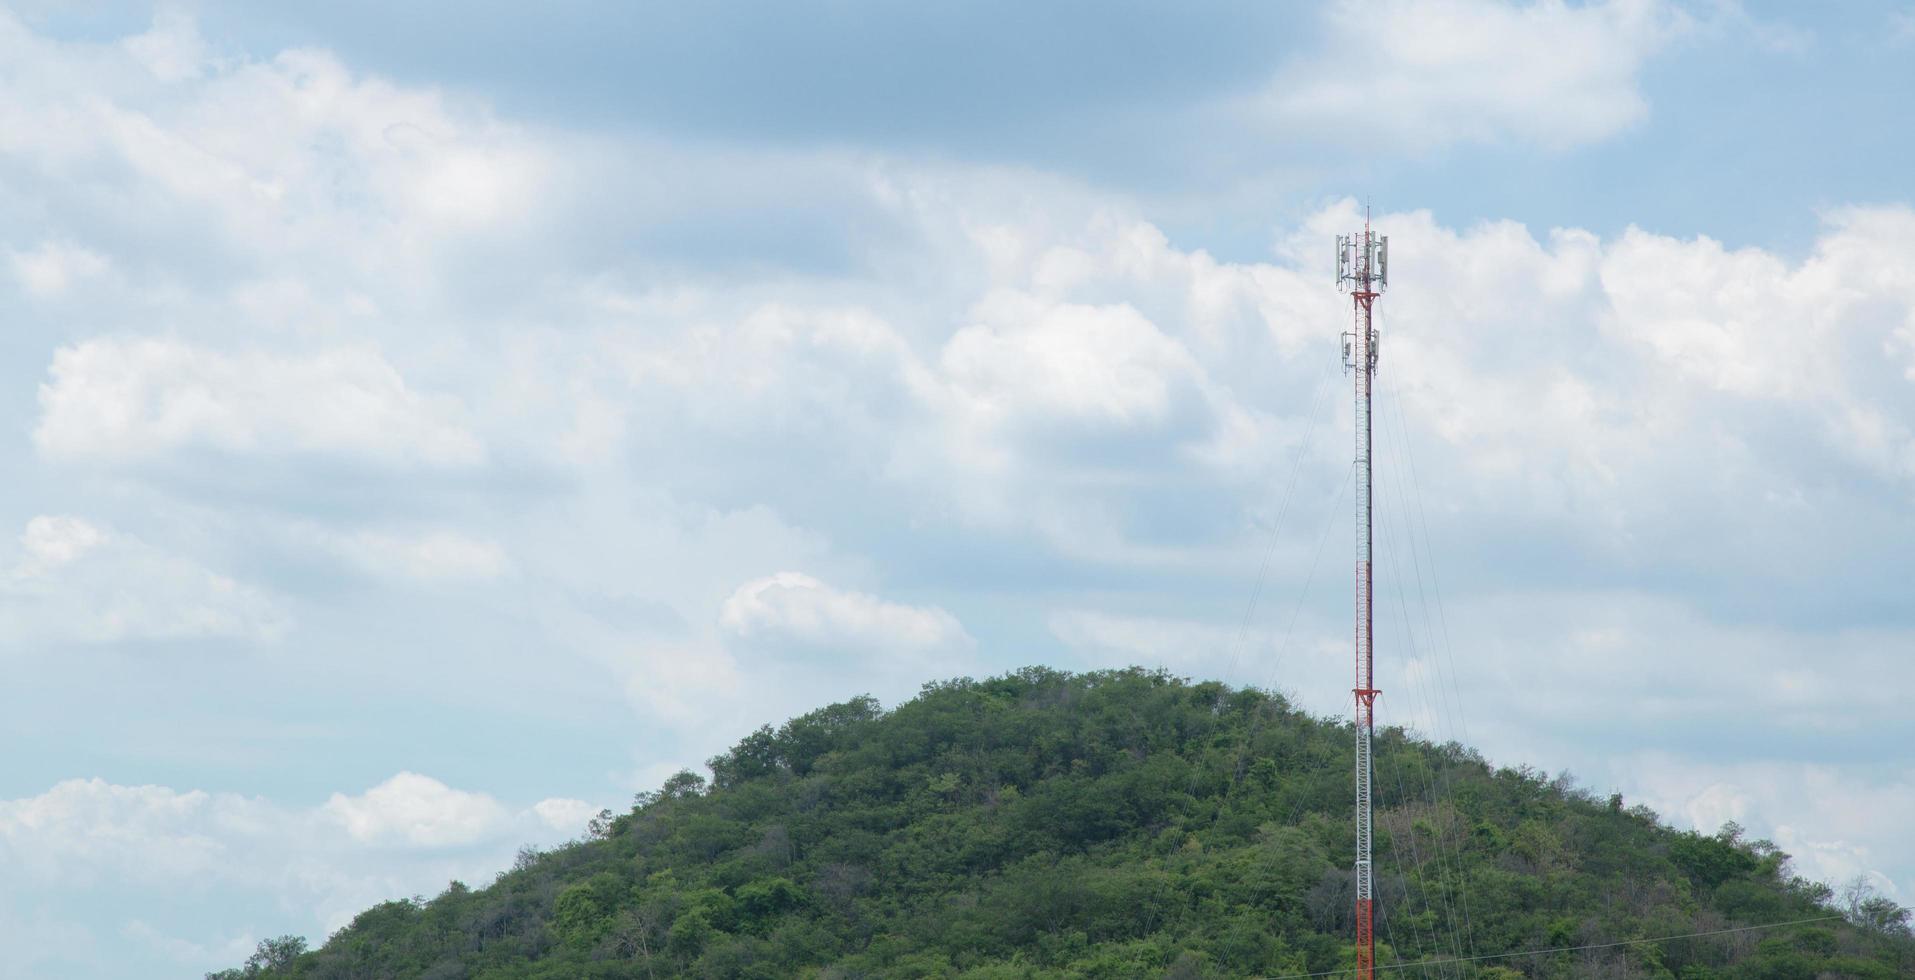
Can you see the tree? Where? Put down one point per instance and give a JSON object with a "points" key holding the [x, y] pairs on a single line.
{"points": [[1044, 824], [1869, 909], [277, 953], [600, 826]]}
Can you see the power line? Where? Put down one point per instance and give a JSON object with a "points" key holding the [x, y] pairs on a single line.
{"points": [[1416, 519], [1554, 949], [1239, 645], [1454, 875], [1309, 578], [1276, 668]]}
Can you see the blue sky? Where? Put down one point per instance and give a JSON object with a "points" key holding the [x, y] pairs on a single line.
{"points": [[425, 428]]}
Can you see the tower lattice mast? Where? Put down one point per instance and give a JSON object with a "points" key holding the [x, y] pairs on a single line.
{"points": [[1363, 269]]}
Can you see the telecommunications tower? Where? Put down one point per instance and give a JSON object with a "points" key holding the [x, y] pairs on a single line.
{"points": [[1363, 268]]}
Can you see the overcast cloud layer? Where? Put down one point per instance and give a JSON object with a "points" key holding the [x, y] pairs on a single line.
{"points": [[412, 454]]}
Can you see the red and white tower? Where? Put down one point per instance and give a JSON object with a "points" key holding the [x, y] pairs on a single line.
{"points": [[1363, 268]]}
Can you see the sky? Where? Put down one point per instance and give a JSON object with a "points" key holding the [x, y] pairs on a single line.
{"points": [[427, 424]]}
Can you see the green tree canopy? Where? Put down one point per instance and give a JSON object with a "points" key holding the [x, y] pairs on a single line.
{"points": [[1112, 824]]}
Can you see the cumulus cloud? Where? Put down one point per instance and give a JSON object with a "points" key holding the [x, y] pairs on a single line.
{"points": [[685, 684], [430, 556], [1096, 367], [793, 607], [125, 400], [782, 644], [279, 152], [407, 835], [91, 828], [53, 268], [565, 815], [417, 810], [1753, 325], [1130, 401], [172, 49], [50, 542], [77, 581], [1431, 74]]}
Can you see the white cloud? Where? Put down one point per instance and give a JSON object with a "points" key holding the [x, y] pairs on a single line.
{"points": [[55, 267], [1750, 324], [119, 400], [565, 815], [49, 541], [435, 556], [284, 156], [1095, 366], [417, 810], [1430, 74], [791, 607], [141, 847], [1568, 386], [171, 49], [684, 685], [784, 644], [1099, 373], [90, 829], [76, 581]]}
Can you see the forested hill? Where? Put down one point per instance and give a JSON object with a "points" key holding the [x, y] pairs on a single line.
{"points": [[1117, 824]]}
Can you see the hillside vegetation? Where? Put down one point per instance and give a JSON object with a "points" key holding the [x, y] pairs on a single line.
{"points": [[1113, 824]]}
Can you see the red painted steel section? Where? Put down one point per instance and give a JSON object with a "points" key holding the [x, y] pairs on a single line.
{"points": [[1365, 942]]}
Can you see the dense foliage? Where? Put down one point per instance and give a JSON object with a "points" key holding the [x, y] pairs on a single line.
{"points": [[1117, 824]]}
